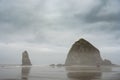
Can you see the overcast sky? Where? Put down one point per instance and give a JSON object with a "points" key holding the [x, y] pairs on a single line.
{"points": [[48, 28]]}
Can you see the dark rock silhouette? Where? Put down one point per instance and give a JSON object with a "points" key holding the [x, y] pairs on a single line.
{"points": [[25, 58], [106, 62], [83, 53], [52, 65], [60, 65]]}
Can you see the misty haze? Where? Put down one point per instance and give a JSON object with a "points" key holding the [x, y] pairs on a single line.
{"points": [[59, 40]]}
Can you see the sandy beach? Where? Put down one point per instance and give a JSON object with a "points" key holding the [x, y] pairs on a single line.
{"points": [[59, 73]]}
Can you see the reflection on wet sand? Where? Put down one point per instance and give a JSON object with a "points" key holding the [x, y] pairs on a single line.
{"points": [[25, 72], [82, 73], [93, 73]]}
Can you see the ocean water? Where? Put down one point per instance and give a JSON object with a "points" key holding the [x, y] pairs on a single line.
{"points": [[59, 73]]}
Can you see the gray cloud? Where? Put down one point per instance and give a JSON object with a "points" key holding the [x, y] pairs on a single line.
{"points": [[106, 11], [44, 27]]}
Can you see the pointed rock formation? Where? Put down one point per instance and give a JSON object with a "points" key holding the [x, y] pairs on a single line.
{"points": [[25, 58], [83, 53]]}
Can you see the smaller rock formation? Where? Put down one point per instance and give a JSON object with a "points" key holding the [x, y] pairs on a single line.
{"points": [[106, 62], [52, 65], [25, 58], [60, 65]]}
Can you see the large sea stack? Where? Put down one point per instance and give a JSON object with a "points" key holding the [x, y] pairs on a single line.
{"points": [[25, 58], [83, 53]]}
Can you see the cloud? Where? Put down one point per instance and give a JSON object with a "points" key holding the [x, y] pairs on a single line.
{"points": [[106, 11], [50, 27]]}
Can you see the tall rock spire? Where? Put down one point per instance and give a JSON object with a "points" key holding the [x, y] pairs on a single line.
{"points": [[83, 53], [25, 58]]}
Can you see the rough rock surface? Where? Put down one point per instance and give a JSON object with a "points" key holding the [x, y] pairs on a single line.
{"points": [[83, 53], [25, 58]]}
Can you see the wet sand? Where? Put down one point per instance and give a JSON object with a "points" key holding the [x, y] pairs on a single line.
{"points": [[59, 73]]}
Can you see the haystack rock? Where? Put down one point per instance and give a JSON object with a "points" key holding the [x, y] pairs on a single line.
{"points": [[83, 53], [25, 58]]}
